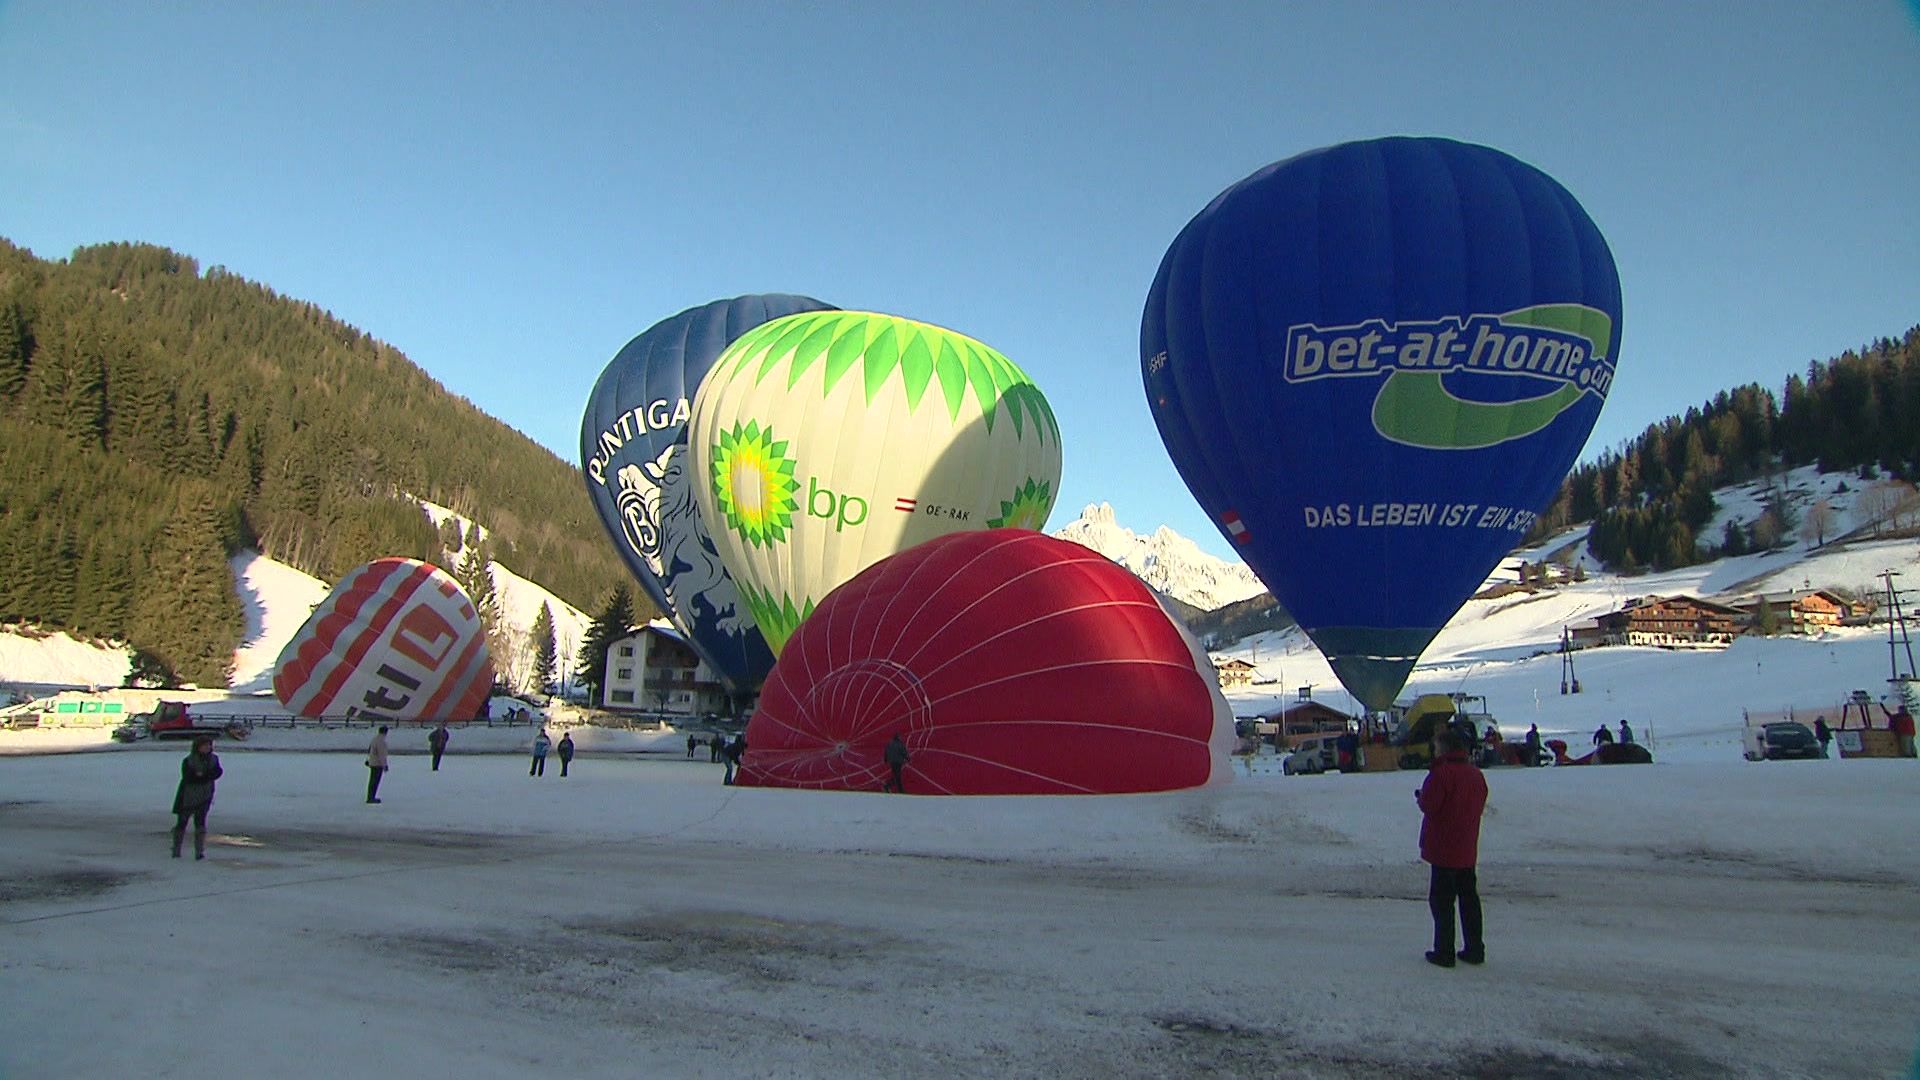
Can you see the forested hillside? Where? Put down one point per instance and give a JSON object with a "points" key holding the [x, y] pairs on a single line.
{"points": [[154, 419], [1650, 500]]}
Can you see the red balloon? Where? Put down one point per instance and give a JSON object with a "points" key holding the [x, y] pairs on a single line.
{"points": [[1012, 663], [396, 640]]}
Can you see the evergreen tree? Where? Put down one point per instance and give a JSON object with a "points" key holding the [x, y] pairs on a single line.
{"points": [[614, 622], [185, 612], [546, 650]]}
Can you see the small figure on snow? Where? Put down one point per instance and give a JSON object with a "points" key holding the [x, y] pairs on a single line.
{"points": [[1533, 744], [896, 757], [437, 742], [566, 752], [732, 754], [1602, 736], [194, 797], [376, 763], [1626, 733], [692, 741], [1822, 732], [540, 745]]}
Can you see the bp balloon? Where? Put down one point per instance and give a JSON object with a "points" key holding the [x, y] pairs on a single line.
{"points": [[824, 442], [1010, 662], [633, 451], [396, 639], [1373, 364]]}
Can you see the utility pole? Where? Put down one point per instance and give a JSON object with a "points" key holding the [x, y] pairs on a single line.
{"points": [[1569, 682]]}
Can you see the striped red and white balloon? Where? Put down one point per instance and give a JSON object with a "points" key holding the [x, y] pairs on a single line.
{"points": [[1012, 663], [397, 639]]}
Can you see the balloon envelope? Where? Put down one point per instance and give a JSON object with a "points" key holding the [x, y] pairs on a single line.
{"points": [[396, 639], [1372, 365], [633, 451], [1011, 662], [825, 442]]}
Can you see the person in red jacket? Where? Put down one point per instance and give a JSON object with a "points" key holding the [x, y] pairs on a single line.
{"points": [[1451, 802], [1902, 725]]}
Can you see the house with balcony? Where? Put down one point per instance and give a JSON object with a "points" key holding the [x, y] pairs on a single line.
{"points": [[653, 670], [1672, 622], [1798, 611]]}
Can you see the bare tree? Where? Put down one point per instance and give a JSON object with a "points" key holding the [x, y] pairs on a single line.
{"points": [[1818, 520]]}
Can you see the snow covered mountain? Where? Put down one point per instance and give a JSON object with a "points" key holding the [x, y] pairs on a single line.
{"points": [[1168, 562]]}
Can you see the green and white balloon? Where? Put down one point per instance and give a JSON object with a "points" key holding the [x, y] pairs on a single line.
{"points": [[825, 441]]}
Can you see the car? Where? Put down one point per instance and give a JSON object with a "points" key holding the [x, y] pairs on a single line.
{"points": [[1787, 739], [1313, 754]]}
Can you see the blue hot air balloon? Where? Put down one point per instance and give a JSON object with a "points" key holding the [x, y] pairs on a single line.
{"points": [[633, 448], [1373, 365]]}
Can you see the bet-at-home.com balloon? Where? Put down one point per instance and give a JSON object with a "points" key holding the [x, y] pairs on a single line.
{"points": [[826, 441], [1373, 365]]}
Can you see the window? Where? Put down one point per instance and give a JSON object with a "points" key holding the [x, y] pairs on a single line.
{"points": [[626, 650], [624, 697], [623, 673]]}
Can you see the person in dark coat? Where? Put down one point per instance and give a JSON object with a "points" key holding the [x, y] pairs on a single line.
{"points": [[1533, 744], [732, 754], [896, 757], [692, 741], [1451, 802], [566, 751], [716, 747], [437, 742], [1602, 736], [1626, 733], [194, 797], [1822, 732], [539, 764]]}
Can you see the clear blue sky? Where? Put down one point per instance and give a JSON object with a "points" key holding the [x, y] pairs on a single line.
{"points": [[508, 192]]}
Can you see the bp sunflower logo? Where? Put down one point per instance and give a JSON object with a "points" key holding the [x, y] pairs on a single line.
{"points": [[753, 484], [1028, 509]]}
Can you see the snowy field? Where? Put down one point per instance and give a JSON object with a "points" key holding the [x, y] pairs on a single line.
{"points": [[1700, 917], [640, 919]]}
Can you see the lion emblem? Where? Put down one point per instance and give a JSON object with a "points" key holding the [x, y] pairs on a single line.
{"points": [[663, 527]]}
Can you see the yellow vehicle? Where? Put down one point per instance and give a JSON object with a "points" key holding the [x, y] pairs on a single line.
{"points": [[1418, 724]]}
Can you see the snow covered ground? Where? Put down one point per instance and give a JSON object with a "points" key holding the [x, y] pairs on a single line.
{"points": [[1700, 917], [640, 919]]}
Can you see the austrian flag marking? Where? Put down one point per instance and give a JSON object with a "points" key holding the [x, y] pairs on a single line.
{"points": [[1238, 530], [905, 505]]}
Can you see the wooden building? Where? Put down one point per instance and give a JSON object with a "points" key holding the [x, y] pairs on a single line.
{"points": [[1798, 611], [1672, 622]]}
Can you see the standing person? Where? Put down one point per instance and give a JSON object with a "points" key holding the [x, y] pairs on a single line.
{"points": [[194, 797], [1451, 802], [566, 751], [1626, 733], [376, 763], [1902, 724], [1822, 732], [714, 747], [692, 741], [437, 742], [732, 754], [540, 744], [896, 757], [1533, 744], [1602, 736]]}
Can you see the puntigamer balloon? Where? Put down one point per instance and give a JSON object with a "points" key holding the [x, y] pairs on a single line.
{"points": [[1373, 365], [633, 452], [824, 442]]}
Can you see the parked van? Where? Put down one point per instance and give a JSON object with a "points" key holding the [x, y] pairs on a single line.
{"points": [[1313, 754]]}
